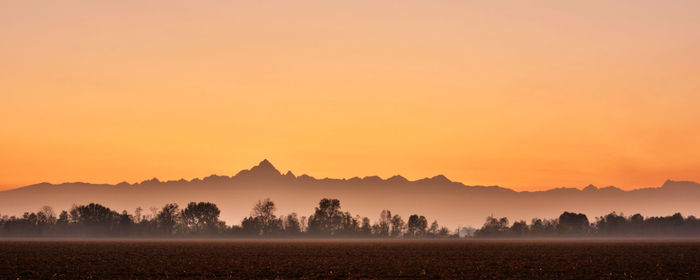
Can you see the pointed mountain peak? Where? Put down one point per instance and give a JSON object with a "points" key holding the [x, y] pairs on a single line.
{"points": [[266, 164], [590, 187], [289, 174], [263, 169]]}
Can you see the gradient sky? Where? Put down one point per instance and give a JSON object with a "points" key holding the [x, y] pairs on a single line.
{"points": [[524, 94]]}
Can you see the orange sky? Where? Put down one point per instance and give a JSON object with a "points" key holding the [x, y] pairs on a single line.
{"points": [[527, 95]]}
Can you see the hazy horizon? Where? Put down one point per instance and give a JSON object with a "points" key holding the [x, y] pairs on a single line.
{"points": [[518, 189], [452, 203]]}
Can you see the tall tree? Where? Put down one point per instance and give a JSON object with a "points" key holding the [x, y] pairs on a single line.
{"points": [[327, 218], [434, 228], [292, 226], [264, 214], [365, 228], [397, 226], [417, 225], [201, 217], [384, 223], [167, 218]]}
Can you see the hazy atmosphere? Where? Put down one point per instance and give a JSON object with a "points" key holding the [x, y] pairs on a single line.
{"points": [[310, 139], [452, 204], [525, 95]]}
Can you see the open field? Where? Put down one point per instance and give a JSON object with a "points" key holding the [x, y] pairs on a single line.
{"points": [[351, 259]]}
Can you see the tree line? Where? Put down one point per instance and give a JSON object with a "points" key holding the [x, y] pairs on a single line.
{"points": [[201, 219], [577, 225]]}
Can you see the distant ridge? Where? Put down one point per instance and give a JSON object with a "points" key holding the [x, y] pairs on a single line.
{"points": [[263, 169], [453, 203]]}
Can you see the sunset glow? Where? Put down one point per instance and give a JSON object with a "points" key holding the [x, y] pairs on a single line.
{"points": [[526, 95]]}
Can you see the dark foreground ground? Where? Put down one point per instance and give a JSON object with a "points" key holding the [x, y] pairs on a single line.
{"points": [[351, 259]]}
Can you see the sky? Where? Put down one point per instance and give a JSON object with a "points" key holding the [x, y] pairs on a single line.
{"points": [[529, 95]]}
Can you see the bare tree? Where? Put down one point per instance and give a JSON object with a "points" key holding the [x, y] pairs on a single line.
{"points": [[49, 214], [434, 227], [264, 214], [384, 224], [138, 215], [397, 226]]}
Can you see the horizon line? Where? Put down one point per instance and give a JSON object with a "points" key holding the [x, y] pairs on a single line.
{"points": [[266, 162]]}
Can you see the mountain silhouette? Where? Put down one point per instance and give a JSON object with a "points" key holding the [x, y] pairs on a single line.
{"points": [[264, 169], [451, 203]]}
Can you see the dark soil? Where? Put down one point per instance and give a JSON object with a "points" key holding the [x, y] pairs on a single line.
{"points": [[351, 259]]}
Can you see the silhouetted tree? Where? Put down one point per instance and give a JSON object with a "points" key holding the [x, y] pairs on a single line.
{"points": [[519, 228], [201, 217], [264, 214], [292, 226], [397, 226], [63, 218], [95, 219], [327, 218], [573, 224], [251, 226], [303, 223], [417, 225], [48, 216], [611, 224], [540, 227], [383, 224], [365, 228], [349, 226], [138, 216], [444, 232], [167, 219], [434, 227], [93, 214], [493, 227]]}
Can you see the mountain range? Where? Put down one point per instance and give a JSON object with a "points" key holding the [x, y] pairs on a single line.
{"points": [[451, 203]]}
